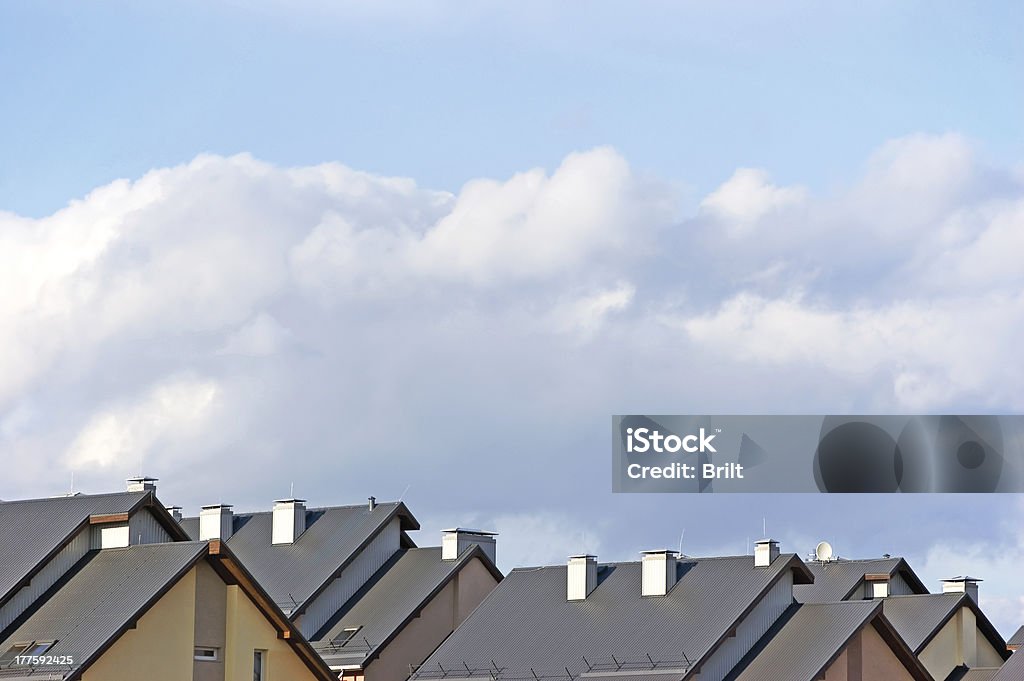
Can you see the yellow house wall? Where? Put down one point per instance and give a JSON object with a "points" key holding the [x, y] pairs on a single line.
{"points": [[248, 630], [160, 647]]}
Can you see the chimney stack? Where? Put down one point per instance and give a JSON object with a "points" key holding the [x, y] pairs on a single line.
{"points": [[289, 520], [962, 584], [765, 552], [581, 577], [457, 539], [142, 484], [373, 503], [215, 522], [657, 572], [175, 512]]}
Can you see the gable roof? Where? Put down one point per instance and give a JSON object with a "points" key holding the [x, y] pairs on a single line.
{"points": [[110, 590], [1017, 640], [1012, 669], [389, 600], [836, 580], [294, 574], [34, 530], [525, 628], [805, 641], [917, 619]]}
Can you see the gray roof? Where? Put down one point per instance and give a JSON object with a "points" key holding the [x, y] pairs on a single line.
{"points": [[805, 641], [34, 529], [1012, 669], [976, 674], [389, 600], [917, 618], [1017, 639], [526, 626], [836, 580], [294, 573], [102, 598]]}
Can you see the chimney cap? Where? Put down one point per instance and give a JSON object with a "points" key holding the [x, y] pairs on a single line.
{"points": [[142, 478], [467, 530], [582, 555], [208, 506], [651, 552], [962, 578], [766, 540], [292, 500]]}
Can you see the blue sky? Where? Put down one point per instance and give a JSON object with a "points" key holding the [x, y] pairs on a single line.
{"points": [[386, 248], [446, 91]]}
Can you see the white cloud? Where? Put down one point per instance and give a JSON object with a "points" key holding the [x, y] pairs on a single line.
{"points": [[174, 411], [747, 197]]}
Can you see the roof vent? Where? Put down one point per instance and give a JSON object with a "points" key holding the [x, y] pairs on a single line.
{"points": [[765, 552], [175, 512], [581, 577], [215, 522], [962, 584], [289, 520], [457, 539], [142, 484], [372, 503], [657, 572]]}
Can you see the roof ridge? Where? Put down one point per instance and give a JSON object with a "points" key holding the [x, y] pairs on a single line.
{"points": [[71, 496]]}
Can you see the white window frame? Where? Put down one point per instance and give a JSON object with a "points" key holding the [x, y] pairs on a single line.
{"points": [[206, 658]]}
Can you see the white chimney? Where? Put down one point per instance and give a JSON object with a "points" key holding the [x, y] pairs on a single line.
{"points": [[175, 512], [215, 522], [457, 539], [289, 520], [962, 584], [765, 552], [581, 577], [142, 484], [657, 572]]}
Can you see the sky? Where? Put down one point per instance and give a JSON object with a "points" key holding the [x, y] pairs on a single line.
{"points": [[425, 251]]}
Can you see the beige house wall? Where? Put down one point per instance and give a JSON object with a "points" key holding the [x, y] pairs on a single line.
{"points": [[867, 657], [880, 662], [159, 648], [943, 653], [988, 656], [436, 621], [959, 642]]}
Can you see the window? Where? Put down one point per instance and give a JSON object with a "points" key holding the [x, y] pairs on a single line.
{"points": [[345, 636], [209, 654], [26, 648], [259, 665]]}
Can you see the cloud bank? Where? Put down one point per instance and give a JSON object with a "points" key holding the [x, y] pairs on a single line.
{"points": [[230, 324]]}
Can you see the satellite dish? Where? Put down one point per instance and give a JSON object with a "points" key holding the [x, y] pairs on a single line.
{"points": [[823, 551]]}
